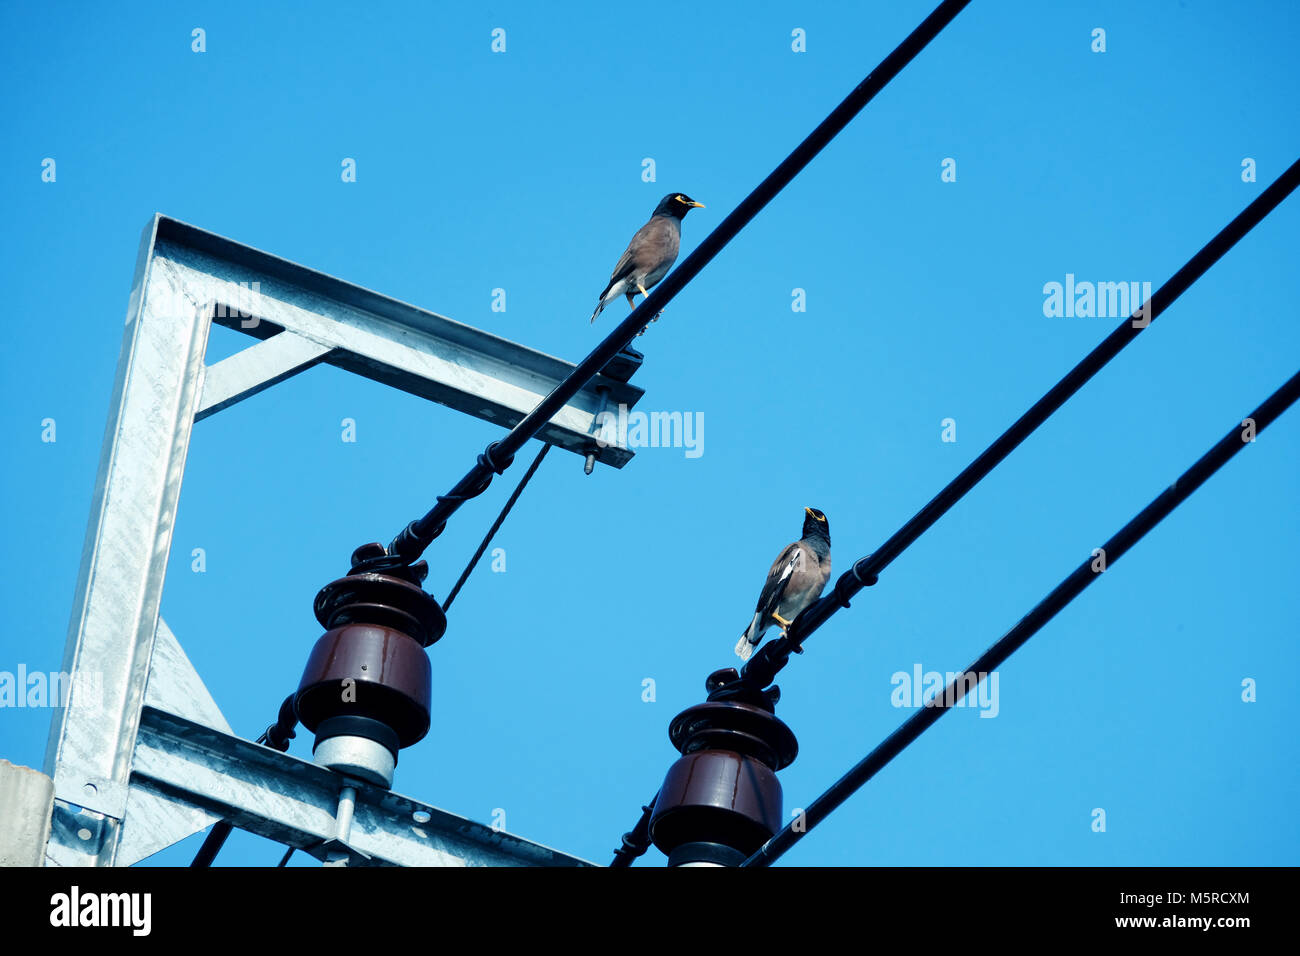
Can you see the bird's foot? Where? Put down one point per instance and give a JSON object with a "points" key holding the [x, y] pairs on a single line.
{"points": [[785, 625]]}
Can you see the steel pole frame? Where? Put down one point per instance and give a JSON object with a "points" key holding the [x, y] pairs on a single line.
{"points": [[113, 805]]}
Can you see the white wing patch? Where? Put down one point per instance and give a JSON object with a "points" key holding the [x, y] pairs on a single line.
{"points": [[791, 566], [775, 594]]}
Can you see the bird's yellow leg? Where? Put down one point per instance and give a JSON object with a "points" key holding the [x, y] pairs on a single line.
{"points": [[785, 628], [647, 294]]}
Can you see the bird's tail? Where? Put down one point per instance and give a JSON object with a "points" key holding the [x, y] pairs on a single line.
{"points": [[749, 640], [600, 307]]}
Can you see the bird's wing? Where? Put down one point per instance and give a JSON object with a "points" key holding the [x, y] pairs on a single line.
{"points": [[657, 248], [621, 271], [805, 584], [627, 261], [787, 563]]}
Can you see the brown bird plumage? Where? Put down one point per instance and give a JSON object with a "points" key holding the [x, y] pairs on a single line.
{"points": [[797, 578], [650, 254]]}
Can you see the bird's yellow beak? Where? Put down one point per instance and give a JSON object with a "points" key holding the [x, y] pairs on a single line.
{"points": [[696, 205]]}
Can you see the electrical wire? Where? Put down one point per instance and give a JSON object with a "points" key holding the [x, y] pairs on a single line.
{"points": [[637, 840], [1065, 592], [417, 536], [411, 542], [772, 657], [496, 526]]}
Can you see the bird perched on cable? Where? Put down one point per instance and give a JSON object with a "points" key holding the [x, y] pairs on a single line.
{"points": [[650, 254], [797, 578]]}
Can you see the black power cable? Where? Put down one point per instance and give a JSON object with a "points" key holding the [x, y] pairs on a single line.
{"points": [[415, 537], [769, 660], [215, 840], [496, 526], [1031, 623], [637, 840]]}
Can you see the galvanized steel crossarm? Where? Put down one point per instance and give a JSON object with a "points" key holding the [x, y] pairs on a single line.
{"points": [[295, 802]]}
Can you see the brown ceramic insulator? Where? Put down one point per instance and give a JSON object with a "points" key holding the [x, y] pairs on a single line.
{"points": [[372, 598], [390, 673], [717, 796], [732, 725], [724, 789]]}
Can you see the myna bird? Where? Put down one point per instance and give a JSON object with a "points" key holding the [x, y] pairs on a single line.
{"points": [[650, 254], [797, 578]]}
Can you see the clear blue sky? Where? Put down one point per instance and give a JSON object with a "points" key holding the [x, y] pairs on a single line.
{"points": [[523, 170]]}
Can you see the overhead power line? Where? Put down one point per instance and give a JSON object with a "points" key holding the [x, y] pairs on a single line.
{"points": [[769, 660], [637, 840], [496, 526], [1073, 585], [498, 456]]}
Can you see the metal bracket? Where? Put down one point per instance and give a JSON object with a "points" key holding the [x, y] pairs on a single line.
{"points": [[340, 324], [295, 802]]}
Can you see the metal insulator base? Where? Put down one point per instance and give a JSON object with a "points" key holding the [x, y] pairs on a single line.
{"points": [[358, 757], [705, 854]]}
